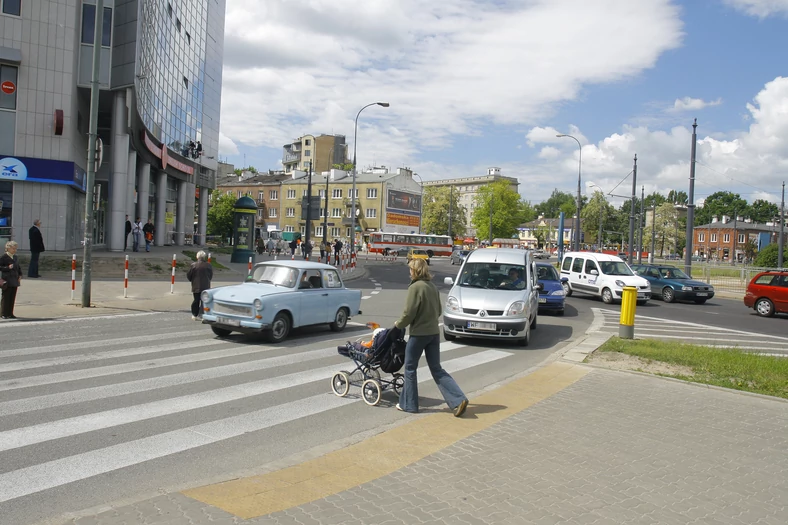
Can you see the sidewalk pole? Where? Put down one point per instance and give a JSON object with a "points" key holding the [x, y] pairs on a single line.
{"points": [[73, 275], [172, 282], [126, 279], [209, 257], [250, 266], [626, 327]]}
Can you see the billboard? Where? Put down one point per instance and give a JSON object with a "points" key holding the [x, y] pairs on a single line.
{"points": [[314, 212], [403, 208]]}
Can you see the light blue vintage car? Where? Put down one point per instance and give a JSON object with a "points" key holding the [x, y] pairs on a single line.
{"points": [[279, 296]]}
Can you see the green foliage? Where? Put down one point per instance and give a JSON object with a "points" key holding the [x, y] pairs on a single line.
{"points": [[436, 203], [720, 203], [597, 209], [220, 216], [669, 237], [239, 171], [677, 197], [559, 201], [762, 211], [344, 167], [767, 257], [509, 211], [751, 249]]}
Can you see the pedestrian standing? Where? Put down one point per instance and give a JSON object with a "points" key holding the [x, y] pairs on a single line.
{"points": [[136, 232], [422, 310], [36, 247], [293, 246], [200, 275], [128, 231], [11, 273], [149, 229], [270, 247], [337, 250], [323, 251]]}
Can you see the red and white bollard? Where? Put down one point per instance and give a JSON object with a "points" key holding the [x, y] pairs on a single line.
{"points": [[209, 257], [250, 266], [73, 275], [126, 278], [172, 281], [353, 261]]}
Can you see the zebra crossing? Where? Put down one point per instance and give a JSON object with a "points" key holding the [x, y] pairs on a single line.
{"points": [[693, 333], [71, 410]]}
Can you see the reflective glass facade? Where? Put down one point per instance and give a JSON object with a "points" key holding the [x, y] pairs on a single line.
{"points": [[179, 76]]}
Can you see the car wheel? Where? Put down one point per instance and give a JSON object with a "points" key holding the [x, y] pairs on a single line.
{"points": [[567, 289], [700, 301], [221, 332], [533, 323], [764, 307], [340, 320], [607, 296], [668, 295], [448, 336], [527, 339], [279, 328], [430, 253]]}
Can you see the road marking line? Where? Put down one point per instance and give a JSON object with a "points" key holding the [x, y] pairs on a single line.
{"points": [[366, 297], [375, 292], [98, 344], [21, 324], [36, 478]]}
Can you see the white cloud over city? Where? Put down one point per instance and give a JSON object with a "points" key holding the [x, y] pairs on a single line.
{"points": [[691, 104], [760, 8]]}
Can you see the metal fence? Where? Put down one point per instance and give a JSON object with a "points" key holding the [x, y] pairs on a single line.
{"points": [[725, 277]]}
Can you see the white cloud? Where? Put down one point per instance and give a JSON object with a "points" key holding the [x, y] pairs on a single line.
{"points": [[760, 8], [549, 152], [447, 68], [687, 104], [226, 145]]}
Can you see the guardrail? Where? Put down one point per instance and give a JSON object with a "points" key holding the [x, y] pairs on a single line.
{"points": [[725, 277]]}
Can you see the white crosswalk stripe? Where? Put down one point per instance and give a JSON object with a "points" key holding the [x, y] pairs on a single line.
{"points": [[132, 386]]}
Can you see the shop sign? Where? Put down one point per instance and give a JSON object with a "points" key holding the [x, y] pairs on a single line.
{"points": [[161, 152], [42, 170], [12, 169], [8, 87]]}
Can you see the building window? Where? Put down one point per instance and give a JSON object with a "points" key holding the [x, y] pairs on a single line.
{"points": [[188, 38], [169, 9], [350, 193], [291, 194], [8, 74], [322, 193], [336, 194], [319, 231], [701, 237], [713, 237], [347, 232], [272, 213], [291, 212], [334, 232], [89, 24], [178, 24], [186, 82], [240, 194], [726, 238], [336, 212], [741, 238], [259, 213], [322, 212], [307, 153], [307, 142], [371, 213], [260, 195], [304, 195], [289, 229], [12, 7], [273, 195], [372, 193], [303, 230]]}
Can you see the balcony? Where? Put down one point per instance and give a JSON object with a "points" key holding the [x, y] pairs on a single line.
{"points": [[291, 157]]}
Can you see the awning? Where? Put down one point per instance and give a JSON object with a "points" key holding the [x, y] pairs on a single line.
{"points": [[10, 55]]}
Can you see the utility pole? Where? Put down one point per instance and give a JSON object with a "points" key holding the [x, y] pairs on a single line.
{"points": [[691, 204], [632, 211], [325, 210], [653, 231], [640, 224], [733, 245], [308, 209], [601, 211], [781, 240], [92, 137], [451, 205], [491, 210]]}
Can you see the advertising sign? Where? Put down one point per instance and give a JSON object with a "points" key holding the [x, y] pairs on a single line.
{"points": [[42, 170], [314, 210], [402, 208], [8, 87]]}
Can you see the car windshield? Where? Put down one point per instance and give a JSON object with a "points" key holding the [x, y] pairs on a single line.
{"points": [[672, 273], [419, 252], [493, 275], [277, 275], [546, 273], [615, 268]]}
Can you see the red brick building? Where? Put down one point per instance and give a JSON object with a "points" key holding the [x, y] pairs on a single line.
{"points": [[722, 239]]}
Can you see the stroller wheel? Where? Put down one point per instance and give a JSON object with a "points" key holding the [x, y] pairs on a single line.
{"points": [[398, 383], [370, 391], [340, 384]]}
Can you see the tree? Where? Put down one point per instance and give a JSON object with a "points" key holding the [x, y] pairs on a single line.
{"points": [[666, 231], [762, 211], [677, 197], [767, 258], [750, 249], [718, 204], [509, 210], [239, 171], [596, 209], [435, 211], [220, 216], [344, 167], [558, 201]]}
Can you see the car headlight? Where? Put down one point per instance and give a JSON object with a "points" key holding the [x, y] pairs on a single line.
{"points": [[560, 293], [686, 288], [206, 297], [621, 284], [258, 304], [452, 304], [517, 308]]}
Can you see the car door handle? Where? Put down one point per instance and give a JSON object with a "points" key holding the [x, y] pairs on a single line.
{"points": [[325, 295]]}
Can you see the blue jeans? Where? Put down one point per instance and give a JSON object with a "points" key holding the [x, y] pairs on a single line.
{"points": [[431, 346]]}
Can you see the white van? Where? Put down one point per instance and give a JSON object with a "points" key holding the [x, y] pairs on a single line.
{"points": [[601, 275], [496, 296]]}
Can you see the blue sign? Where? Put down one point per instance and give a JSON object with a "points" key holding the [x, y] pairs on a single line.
{"points": [[12, 169], [43, 170]]}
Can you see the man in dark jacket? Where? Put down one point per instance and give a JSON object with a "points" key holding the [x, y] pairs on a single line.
{"points": [[200, 275], [148, 230], [128, 231], [36, 247], [337, 250]]}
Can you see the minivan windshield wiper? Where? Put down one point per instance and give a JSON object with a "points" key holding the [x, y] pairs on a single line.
{"points": [[469, 285]]}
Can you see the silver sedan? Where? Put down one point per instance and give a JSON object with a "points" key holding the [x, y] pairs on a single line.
{"points": [[458, 256]]}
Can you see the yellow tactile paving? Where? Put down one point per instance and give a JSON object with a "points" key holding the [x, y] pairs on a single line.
{"points": [[382, 454]]}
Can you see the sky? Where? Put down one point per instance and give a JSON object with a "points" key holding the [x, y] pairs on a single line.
{"points": [[490, 83]]}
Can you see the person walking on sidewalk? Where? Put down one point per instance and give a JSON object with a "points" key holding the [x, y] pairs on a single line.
{"points": [[136, 232], [128, 231], [11, 273], [200, 275], [149, 229], [337, 251], [422, 310], [36, 247]]}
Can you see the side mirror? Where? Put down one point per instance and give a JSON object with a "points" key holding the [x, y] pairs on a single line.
{"points": [[564, 279], [448, 280], [540, 286], [593, 272]]}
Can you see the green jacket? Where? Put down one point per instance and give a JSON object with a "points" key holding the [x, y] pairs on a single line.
{"points": [[422, 309]]}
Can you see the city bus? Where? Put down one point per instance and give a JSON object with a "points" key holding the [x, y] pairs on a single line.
{"points": [[380, 242]]}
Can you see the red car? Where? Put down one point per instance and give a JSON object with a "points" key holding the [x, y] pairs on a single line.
{"points": [[767, 293]]}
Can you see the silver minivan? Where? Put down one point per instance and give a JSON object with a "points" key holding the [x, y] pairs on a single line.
{"points": [[496, 296]]}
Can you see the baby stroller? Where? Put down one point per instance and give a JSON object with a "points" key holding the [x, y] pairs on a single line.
{"points": [[384, 353]]}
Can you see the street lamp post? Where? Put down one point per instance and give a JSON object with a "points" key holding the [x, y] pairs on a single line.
{"points": [[421, 199], [601, 210], [579, 167], [353, 199]]}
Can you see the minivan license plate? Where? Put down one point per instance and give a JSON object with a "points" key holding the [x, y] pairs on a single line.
{"points": [[702, 294], [481, 326], [228, 322]]}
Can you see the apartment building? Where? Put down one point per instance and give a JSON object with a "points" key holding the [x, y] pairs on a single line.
{"points": [[468, 188], [322, 151], [544, 233], [727, 237], [265, 189]]}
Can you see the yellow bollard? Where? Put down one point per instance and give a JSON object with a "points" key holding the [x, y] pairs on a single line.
{"points": [[629, 301]]}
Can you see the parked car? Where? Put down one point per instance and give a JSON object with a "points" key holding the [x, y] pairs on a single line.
{"points": [[417, 253], [767, 293], [279, 296], [672, 257], [552, 296], [601, 275], [672, 284], [458, 256], [496, 296], [541, 254]]}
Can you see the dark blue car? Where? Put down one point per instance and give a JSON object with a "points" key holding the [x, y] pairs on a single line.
{"points": [[552, 296]]}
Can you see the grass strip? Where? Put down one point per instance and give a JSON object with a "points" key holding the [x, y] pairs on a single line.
{"points": [[193, 256], [725, 367]]}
